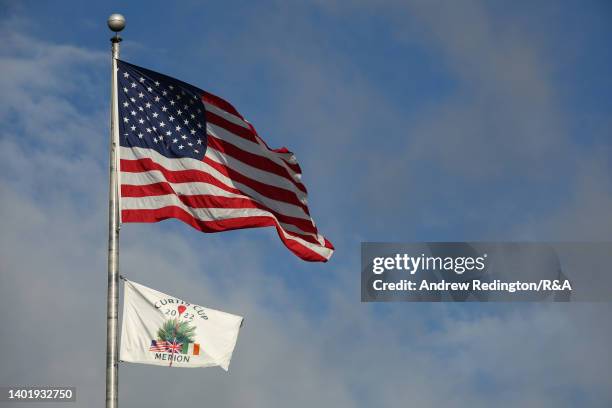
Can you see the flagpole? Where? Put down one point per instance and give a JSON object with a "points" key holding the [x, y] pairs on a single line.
{"points": [[116, 22]]}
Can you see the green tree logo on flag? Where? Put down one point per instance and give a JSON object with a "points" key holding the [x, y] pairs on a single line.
{"points": [[176, 331], [176, 337]]}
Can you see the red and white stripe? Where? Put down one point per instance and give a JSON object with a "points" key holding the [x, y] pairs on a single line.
{"points": [[240, 183], [158, 345]]}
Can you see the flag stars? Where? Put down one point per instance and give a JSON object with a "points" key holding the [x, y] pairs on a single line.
{"points": [[163, 115]]}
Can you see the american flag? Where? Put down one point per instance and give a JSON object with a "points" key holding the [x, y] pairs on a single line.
{"points": [[165, 346], [159, 345], [190, 155]]}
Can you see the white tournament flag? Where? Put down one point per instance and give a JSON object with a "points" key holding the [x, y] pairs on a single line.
{"points": [[163, 330]]}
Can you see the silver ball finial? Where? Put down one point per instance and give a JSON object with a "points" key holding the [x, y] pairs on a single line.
{"points": [[116, 22]]}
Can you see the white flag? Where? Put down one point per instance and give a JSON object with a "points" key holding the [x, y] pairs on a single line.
{"points": [[163, 330]]}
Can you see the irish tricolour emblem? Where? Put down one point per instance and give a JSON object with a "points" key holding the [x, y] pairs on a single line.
{"points": [[164, 330]]}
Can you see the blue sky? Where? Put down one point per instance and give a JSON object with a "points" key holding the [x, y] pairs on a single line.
{"points": [[412, 121]]}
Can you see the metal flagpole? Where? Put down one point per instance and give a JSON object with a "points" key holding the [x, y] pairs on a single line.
{"points": [[116, 22]]}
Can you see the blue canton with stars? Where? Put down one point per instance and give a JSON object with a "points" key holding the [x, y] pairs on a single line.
{"points": [[160, 113]]}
